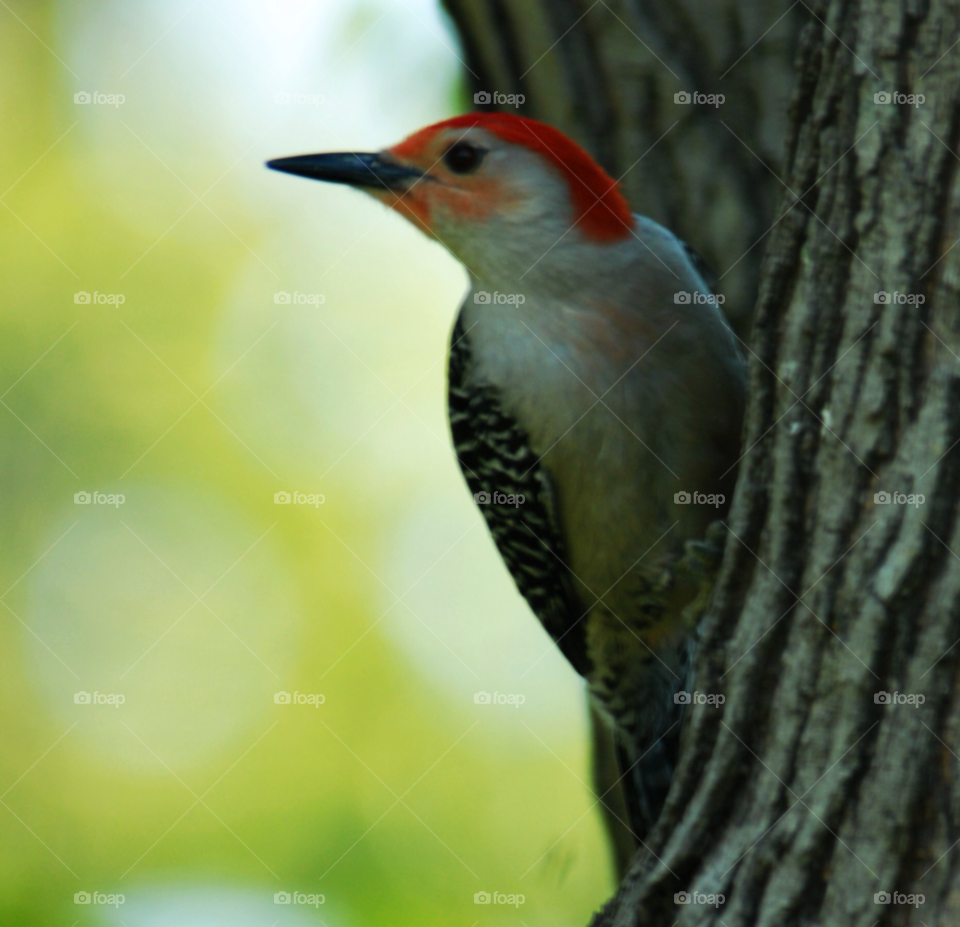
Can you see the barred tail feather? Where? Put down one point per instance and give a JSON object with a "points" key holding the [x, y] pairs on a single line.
{"points": [[646, 777]]}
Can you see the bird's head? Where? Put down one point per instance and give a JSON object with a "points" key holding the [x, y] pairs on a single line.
{"points": [[488, 186]]}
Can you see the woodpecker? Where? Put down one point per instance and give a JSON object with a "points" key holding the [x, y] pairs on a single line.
{"points": [[592, 373]]}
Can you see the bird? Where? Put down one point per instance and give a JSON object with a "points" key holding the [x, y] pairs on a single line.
{"points": [[593, 375]]}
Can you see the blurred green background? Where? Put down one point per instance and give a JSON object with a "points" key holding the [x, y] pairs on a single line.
{"points": [[198, 398]]}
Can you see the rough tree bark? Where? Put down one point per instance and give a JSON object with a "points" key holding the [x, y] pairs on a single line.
{"points": [[804, 796]]}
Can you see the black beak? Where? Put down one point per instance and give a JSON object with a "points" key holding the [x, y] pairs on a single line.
{"points": [[358, 169]]}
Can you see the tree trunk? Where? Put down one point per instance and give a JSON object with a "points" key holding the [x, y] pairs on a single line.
{"points": [[809, 794], [606, 72]]}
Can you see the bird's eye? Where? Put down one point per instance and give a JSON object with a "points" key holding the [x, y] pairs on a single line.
{"points": [[463, 158]]}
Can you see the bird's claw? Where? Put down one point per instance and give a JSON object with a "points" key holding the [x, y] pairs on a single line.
{"points": [[699, 566]]}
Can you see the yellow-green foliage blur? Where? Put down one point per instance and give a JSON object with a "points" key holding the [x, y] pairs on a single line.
{"points": [[146, 753]]}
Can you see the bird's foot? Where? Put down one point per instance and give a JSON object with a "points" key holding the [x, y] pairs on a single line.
{"points": [[699, 566]]}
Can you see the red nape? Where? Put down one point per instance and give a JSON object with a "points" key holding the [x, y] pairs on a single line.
{"points": [[600, 210]]}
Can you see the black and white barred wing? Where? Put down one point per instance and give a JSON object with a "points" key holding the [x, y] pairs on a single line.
{"points": [[501, 469]]}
